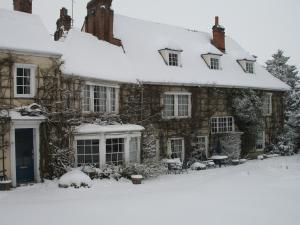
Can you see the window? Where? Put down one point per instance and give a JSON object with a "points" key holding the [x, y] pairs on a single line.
{"points": [[88, 152], [260, 140], [177, 105], [24, 80], [177, 148], [267, 104], [249, 67], [202, 144], [173, 59], [133, 150], [86, 98], [100, 99], [214, 63], [115, 151], [222, 124]]}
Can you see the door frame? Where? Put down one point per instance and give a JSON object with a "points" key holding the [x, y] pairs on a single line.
{"points": [[25, 124]]}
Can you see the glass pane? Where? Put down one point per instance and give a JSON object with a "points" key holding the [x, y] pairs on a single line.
{"points": [[19, 81], [20, 90]]}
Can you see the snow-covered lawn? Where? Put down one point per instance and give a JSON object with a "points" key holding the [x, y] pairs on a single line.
{"points": [[256, 193]]}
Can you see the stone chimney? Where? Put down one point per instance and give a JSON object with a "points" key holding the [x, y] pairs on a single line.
{"points": [[218, 35], [100, 21], [63, 24], [23, 6]]}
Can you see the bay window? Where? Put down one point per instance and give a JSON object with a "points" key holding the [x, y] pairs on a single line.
{"points": [[115, 151], [88, 152]]}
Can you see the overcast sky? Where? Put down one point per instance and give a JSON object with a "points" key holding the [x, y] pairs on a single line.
{"points": [[260, 26]]}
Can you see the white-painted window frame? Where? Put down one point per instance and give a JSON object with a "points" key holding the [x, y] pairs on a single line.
{"points": [[32, 69], [249, 67], [182, 150], [263, 141], [102, 137], [215, 65], [176, 107], [206, 143], [165, 53], [218, 124], [268, 109], [108, 97]]}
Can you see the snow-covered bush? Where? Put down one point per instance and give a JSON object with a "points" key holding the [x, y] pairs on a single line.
{"points": [[147, 170], [198, 166], [106, 172], [76, 179], [284, 146]]}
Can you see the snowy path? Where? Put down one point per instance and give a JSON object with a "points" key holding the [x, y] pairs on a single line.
{"points": [[256, 193]]}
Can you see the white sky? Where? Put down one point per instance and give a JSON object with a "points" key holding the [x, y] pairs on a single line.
{"points": [[260, 26]]}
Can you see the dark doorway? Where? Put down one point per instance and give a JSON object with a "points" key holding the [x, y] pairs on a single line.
{"points": [[24, 155]]}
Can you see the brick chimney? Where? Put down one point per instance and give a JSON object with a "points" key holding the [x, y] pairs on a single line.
{"points": [[63, 24], [100, 21], [218, 35], [23, 6]]}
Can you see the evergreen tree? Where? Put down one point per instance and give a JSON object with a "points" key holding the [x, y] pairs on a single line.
{"points": [[278, 66]]}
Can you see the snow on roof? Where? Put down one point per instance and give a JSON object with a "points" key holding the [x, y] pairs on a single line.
{"points": [[14, 115], [86, 56], [24, 32], [95, 128]]}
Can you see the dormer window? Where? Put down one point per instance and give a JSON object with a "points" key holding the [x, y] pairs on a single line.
{"points": [[171, 57], [213, 61], [247, 65]]}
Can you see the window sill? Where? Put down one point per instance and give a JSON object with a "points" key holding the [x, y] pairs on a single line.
{"points": [[176, 117]]}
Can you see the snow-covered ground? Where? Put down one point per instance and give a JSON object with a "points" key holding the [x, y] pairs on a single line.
{"points": [[256, 193]]}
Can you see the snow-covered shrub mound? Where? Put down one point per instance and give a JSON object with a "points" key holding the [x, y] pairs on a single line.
{"points": [[75, 178], [147, 170], [198, 166]]}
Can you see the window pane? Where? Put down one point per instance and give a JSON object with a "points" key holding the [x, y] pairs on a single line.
{"points": [[100, 99], [214, 63], [88, 152], [115, 157], [86, 98], [112, 99], [169, 105], [133, 150], [173, 59], [222, 124], [183, 105], [177, 148]]}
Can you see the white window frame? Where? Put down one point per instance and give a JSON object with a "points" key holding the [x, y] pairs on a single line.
{"points": [[88, 139], [102, 137], [218, 124], [214, 66], [176, 105], [108, 98], [263, 141], [182, 150], [268, 111], [32, 69], [175, 59], [206, 143], [249, 67], [136, 152]]}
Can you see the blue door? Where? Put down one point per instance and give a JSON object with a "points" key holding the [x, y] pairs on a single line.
{"points": [[24, 155]]}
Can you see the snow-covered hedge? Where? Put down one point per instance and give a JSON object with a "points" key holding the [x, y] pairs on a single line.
{"points": [[76, 179]]}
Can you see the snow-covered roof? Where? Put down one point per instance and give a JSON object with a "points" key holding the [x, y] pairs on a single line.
{"points": [[17, 116], [25, 33], [86, 56], [95, 128]]}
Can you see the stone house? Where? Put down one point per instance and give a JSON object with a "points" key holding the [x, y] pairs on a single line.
{"points": [[162, 90]]}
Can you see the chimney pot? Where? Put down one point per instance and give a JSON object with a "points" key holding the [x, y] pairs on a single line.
{"points": [[63, 24], [217, 21]]}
